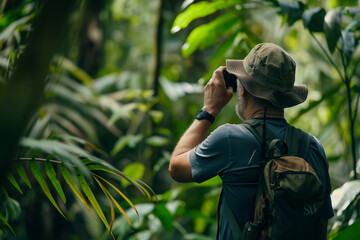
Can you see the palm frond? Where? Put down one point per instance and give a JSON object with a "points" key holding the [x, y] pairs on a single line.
{"points": [[71, 155]]}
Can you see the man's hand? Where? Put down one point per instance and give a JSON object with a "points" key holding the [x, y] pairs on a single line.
{"points": [[216, 95]]}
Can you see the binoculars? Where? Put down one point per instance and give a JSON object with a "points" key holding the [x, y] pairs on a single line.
{"points": [[230, 80]]}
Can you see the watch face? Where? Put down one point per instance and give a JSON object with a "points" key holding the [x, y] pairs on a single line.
{"points": [[203, 114]]}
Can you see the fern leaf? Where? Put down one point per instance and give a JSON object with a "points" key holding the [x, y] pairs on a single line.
{"points": [[107, 194], [117, 173], [121, 210], [39, 177], [11, 178], [21, 170], [119, 192], [70, 181], [50, 171], [3, 219], [88, 192]]}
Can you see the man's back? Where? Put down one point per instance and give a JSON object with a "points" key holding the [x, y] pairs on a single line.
{"points": [[233, 153]]}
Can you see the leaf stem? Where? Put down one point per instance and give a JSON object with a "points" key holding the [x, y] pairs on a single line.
{"points": [[327, 56]]}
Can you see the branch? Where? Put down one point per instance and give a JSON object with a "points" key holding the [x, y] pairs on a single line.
{"points": [[328, 57]]}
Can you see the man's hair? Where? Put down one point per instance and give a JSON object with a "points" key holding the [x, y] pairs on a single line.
{"points": [[268, 104]]}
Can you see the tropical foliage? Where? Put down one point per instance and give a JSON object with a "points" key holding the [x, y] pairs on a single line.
{"points": [[117, 85]]}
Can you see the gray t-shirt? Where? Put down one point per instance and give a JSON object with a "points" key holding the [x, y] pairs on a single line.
{"points": [[232, 152]]}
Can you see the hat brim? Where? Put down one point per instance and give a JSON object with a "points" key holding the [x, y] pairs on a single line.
{"points": [[295, 96]]}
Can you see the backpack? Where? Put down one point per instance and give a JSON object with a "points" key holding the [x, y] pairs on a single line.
{"points": [[289, 193]]}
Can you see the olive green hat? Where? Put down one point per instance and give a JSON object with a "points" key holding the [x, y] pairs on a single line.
{"points": [[268, 72]]}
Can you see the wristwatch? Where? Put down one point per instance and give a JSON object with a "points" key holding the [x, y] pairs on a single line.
{"points": [[203, 114]]}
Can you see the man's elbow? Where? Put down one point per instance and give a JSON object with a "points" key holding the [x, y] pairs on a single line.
{"points": [[179, 173], [174, 172]]}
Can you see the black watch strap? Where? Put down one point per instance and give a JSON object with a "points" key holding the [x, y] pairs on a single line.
{"points": [[203, 114]]}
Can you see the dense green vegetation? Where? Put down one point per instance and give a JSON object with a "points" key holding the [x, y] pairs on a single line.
{"points": [[95, 94]]}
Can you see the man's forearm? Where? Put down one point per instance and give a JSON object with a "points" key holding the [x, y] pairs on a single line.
{"points": [[193, 136], [179, 167]]}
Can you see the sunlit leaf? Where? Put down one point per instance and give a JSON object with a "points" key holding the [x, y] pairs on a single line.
{"points": [[21, 170], [50, 171], [199, 9], [3, 219], [127, 140], [92, 199], [207, 34], [332, 28], [222, 50], [68, 65], [342, 197], [350, 233], [176, 90], [123, 112], [314, 19], [6, 34], [11, 178], [39, 177], [134, 171], [157, 141], [70, 181], [156, 116]]}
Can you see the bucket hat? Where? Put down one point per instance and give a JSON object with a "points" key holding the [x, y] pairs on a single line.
{"points": [[268, 72]]}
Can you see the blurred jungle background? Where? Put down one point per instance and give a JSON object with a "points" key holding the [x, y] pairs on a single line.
{"points": [[94, 95]]}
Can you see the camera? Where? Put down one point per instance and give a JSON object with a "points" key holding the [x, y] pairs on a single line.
{"points": [[230, 80]]}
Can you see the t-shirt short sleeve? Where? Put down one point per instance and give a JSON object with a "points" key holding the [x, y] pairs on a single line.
{"points": [[211, 156]]}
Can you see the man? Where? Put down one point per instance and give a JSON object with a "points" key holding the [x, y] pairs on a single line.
{"points": [[265, 77]]}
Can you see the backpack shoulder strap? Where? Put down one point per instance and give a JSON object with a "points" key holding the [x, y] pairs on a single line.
{"points": [[255, 126], [297, 141]]}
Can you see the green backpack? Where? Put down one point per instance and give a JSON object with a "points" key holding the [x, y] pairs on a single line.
{"points": [[289, 194]]}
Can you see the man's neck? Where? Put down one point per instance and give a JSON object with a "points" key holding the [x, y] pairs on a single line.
{"points": [[259, 113]]}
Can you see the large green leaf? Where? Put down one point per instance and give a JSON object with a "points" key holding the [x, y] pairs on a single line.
{"points": [[207, 34], [198, 10], [292, 10], [348, 42], [39, 177], [332, 28], [314, 19], [134, 171], [350, 233], [126, 140], [164, 216]]}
